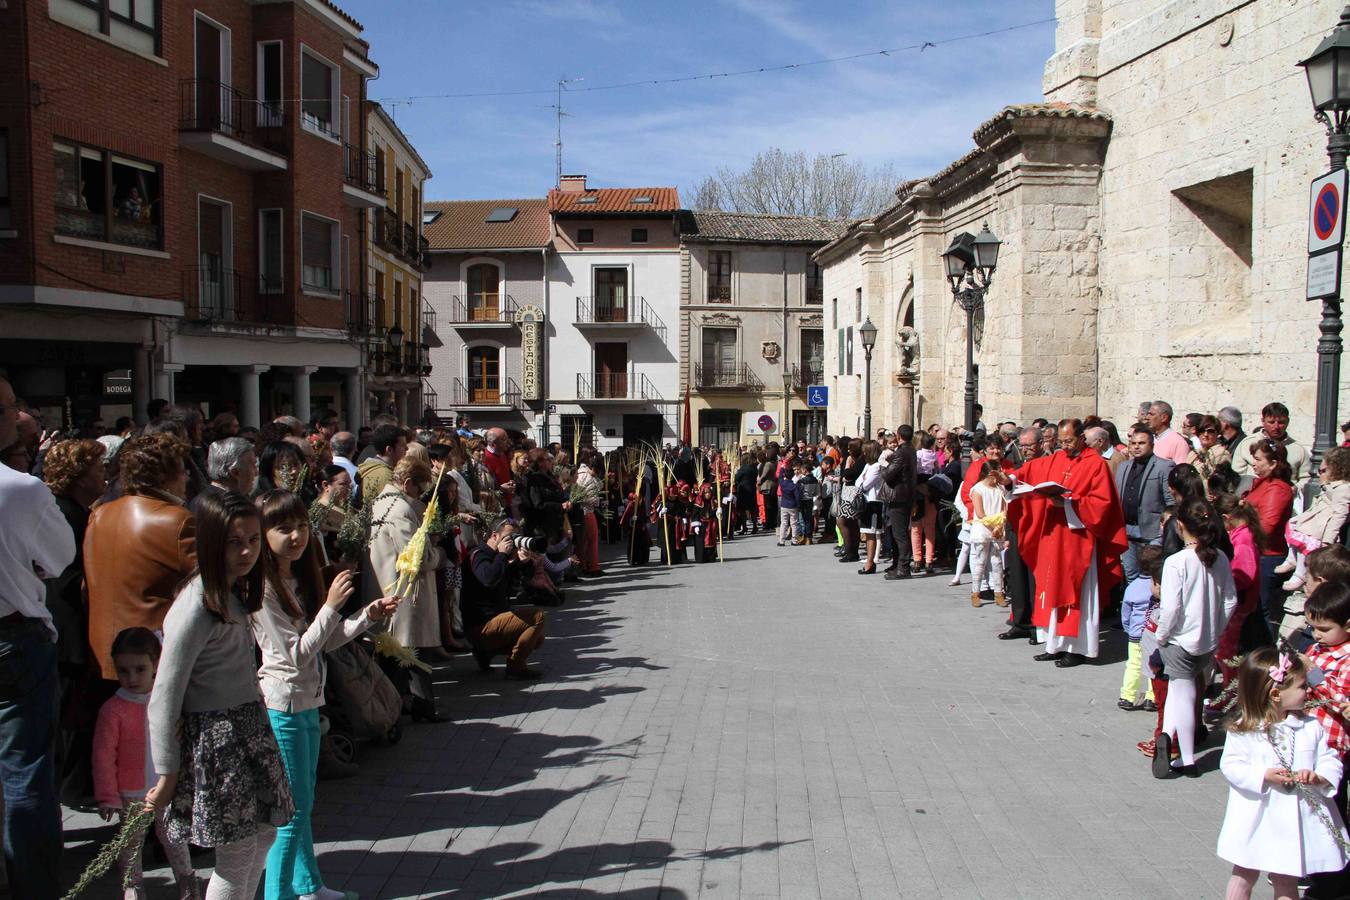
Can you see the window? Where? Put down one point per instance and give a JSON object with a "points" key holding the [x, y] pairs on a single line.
{"points": [[719, 276], [6, 218], [849, 350], [269, 85], [834, 312], [318, 245], [719, 357], [585, 235], [813, 355], [430, 216], [485, 383], [379, 170], [501, 214], [318, 93], [269, 251], [639, 235], [1209, 230], [577, 430], [103, 197], [857, 305], [131, 23], [611, 295], [719, 427], [484, 293], [815, 283]]}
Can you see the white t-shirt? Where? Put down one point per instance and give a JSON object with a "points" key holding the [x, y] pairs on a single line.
{"points": [[994, 500]]}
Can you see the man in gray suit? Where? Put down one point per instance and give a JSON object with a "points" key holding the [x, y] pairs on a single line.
{"points": [[1141, 483]]}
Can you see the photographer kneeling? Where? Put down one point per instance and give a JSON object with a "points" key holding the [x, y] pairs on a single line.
{"points": [[490, 623]]}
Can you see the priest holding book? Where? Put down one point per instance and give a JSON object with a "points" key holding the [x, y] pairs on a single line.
{"points": [[1071, 533]]}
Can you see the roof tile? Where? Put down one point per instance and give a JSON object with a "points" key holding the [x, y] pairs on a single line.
{"points": [[730, 226], [462, 225], [608, 201]]}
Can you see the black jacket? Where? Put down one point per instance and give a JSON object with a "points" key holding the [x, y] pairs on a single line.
{"points": [[901, 473], [486, 588], [542, 504]]}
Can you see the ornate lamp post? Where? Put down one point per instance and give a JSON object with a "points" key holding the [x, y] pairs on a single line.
{"points": [[1328, 71], [970, 263], [867, 333], [787, 401]]}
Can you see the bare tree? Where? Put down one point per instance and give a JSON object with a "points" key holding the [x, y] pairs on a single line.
{"points": [[798, 185]]}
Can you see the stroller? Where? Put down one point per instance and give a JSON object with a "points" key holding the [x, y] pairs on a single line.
{"points": [[362, 703]]}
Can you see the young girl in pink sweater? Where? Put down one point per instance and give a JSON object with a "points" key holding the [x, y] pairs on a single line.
{"points": [[122, 768]]}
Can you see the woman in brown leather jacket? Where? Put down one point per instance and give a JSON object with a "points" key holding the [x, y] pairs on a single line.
{"points": [[139, 547]]}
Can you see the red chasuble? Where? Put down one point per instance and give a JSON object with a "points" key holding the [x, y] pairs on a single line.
{"points": [[1059, 555]]}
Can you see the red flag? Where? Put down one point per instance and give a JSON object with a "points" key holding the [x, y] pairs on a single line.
{"points": [[687, 428]]}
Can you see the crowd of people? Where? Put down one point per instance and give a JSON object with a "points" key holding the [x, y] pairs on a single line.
{"points": [[196, 592]]}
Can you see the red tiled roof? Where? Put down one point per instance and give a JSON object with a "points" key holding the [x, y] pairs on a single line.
{"points": [[609, 201], [343, 13], [463, 225]]}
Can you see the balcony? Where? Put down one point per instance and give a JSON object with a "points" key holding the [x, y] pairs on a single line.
{"points": [[430, 337], [362, 184], [603, 313], [627, 386], [388, 231], [805, 375], [214, 295], [217, 121], [719, 293], [483, 394], [485, 311], [726, 378]]}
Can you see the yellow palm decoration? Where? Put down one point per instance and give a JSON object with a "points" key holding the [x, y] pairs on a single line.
{"points": [[409, 562]]}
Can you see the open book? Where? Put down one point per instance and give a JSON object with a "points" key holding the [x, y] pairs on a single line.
{"points": [[1045, 488]]}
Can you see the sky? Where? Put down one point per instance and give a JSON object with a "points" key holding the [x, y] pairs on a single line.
{"points": [[910, 109]]}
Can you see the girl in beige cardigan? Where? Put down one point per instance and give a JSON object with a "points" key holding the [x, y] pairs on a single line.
{"points": [[1321, 523]]}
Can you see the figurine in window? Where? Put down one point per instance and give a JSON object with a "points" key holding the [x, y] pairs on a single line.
{"points": [[133, 207]]}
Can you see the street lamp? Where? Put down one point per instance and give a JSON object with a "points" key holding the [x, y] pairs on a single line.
{"points": [[816, 365], [1328, 71], [970, 263], [787, 399], [867, 333]]}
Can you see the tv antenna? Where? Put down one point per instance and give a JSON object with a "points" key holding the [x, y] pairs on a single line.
{"points": [[557, 145]]}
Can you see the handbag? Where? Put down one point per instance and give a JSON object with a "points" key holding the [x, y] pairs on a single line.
{"points": [[849, 505]]}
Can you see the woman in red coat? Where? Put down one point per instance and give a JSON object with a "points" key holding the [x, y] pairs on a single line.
{"points": [[1272, 496]]}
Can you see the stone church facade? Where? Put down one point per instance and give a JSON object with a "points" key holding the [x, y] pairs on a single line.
{"points": [[1153, 216]]}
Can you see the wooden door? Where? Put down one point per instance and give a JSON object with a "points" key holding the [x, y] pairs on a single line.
{"points": [[484, 299], [611, 295], [611, 370], [485, 385]]}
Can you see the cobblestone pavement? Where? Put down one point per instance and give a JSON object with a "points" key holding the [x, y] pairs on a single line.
{"points": [[773, 726]]}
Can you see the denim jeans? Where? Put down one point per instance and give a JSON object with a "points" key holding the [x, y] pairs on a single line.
{"points": [[291, 866], [27, 748]]}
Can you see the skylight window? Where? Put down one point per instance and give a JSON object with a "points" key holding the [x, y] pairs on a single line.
{"points": [[581, 200], [637, 200], [430, 215], [502, 214]]}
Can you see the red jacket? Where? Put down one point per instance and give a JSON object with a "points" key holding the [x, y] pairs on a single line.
{"points": [[1273, 500], [972, 476], [500, 467]]}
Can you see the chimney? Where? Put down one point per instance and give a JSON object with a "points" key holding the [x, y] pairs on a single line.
{"points": [[572, 184]]}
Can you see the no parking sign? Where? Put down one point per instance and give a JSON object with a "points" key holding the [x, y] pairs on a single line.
{"points": [[1326, 231]]}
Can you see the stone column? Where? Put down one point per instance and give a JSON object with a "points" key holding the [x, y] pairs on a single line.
{"points": [[354, 393], [300, 391], [140, 382], [250, 403], [403, 397]]}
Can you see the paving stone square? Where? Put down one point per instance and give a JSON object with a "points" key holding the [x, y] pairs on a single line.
{"points": [[771, 726]]}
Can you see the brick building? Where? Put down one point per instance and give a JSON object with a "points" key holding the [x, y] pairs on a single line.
{"points": [[183, 205]]}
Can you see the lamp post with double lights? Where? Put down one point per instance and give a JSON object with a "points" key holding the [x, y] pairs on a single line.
{"points": [[867, 333], [970, 263], [1328, 71]]}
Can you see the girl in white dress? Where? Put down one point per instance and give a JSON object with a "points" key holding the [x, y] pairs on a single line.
{"points": [[1281, 817], [989, 498]]}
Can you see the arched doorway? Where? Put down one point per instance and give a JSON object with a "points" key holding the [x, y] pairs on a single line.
{"points": [[484, 293]]}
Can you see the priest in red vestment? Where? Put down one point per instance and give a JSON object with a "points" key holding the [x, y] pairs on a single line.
{"points": [[1072, 544]]}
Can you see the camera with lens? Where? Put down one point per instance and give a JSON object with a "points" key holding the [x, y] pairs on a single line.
{"points": [[527, 542]]}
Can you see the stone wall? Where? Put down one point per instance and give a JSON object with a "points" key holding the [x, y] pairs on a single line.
{"points": [[1204, 199]]}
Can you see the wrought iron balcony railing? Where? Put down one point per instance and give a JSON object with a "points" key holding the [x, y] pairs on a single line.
{"points": [[483, 309], [726, 378], [207, 105], [615, 386], [485, 392]]}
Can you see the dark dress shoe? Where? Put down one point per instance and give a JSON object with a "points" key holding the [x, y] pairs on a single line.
{"points": [[850, 558], [1126, 705], [866, 571], [897, 574], [1070, 660], [1149, 706], [1048, 657], [423, 710], [1162, 756], [1013, 633]]}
